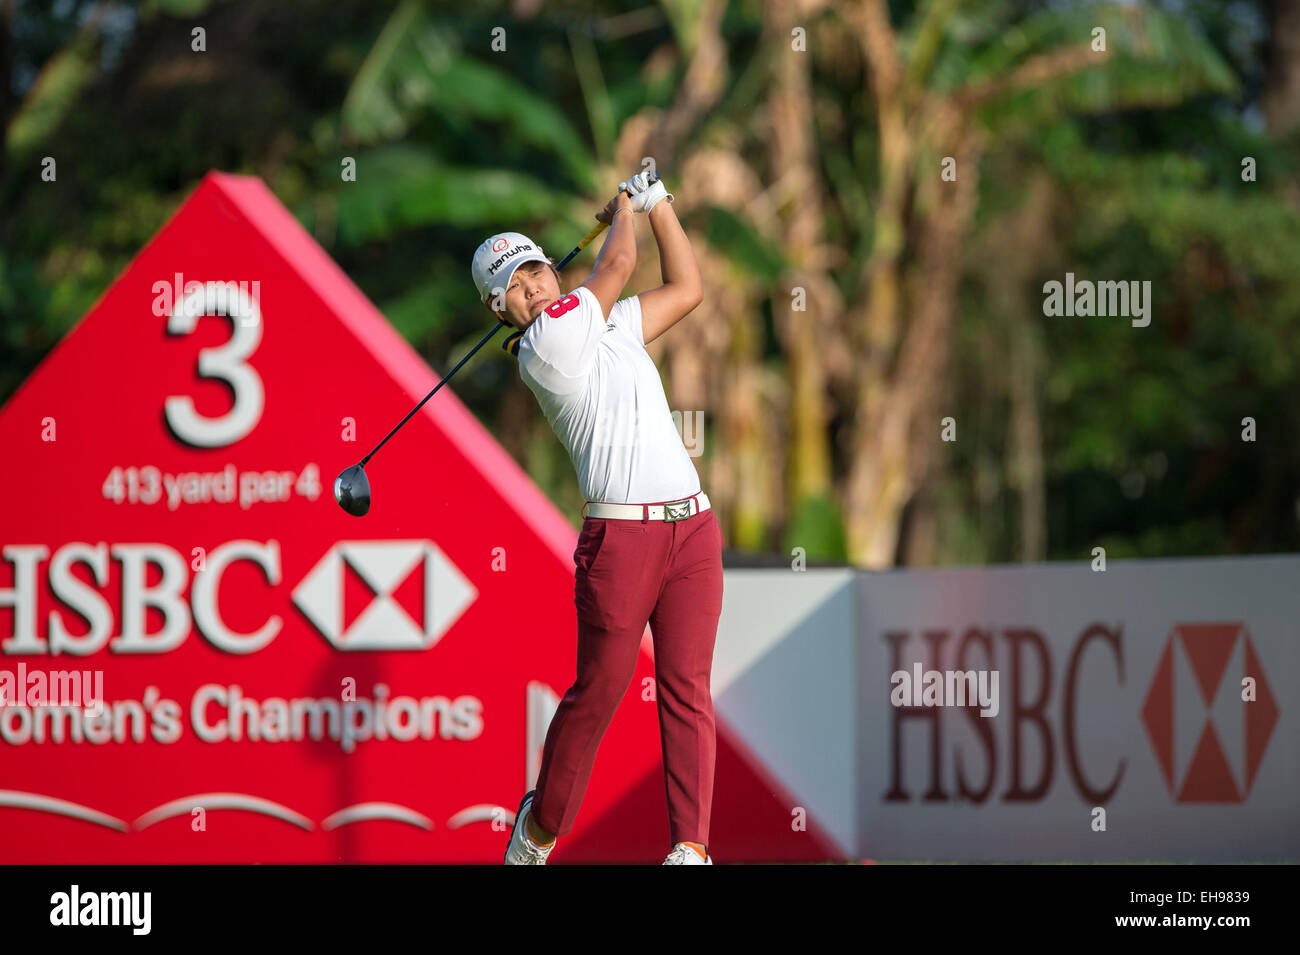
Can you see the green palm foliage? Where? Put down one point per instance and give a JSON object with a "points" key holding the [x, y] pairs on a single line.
{"points": [[822, 429]]}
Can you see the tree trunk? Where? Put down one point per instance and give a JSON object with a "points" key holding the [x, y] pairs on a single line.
{"points": [[1019, 345], [894, 443], [1281, 97], [1026, 445], [8, 13], [746, 471], [704, 82], [799, 203]]}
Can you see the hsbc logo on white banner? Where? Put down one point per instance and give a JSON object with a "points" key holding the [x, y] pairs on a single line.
{"points": [[1209, 742], [384, 566], [1208, 738]]}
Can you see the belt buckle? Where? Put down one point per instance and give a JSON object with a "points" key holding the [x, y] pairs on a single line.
{"points": [[677, 510]]}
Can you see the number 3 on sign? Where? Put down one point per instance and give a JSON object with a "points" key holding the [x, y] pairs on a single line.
{"points": [[562, 305], [226, 363]]}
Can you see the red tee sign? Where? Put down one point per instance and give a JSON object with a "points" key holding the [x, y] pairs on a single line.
{"points": [[204, 659]]}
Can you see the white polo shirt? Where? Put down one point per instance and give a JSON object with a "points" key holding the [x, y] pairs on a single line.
{"points": [[605, 401]]}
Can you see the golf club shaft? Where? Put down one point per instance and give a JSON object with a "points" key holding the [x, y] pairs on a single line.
{"points": [[600, 227]]}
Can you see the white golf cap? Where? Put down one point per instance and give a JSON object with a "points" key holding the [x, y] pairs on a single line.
{"points": [[498, 257]]}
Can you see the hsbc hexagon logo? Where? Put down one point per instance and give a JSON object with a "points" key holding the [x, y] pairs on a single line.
{"points": [[1191, 711], [400, 576]]}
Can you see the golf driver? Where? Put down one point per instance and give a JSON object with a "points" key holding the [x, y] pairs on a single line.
{"points": [[352, 487]]}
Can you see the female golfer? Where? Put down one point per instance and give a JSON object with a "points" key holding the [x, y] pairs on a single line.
{"points": [[650, 549]]}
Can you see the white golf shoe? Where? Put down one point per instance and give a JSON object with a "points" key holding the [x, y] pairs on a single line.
{"points": [[683, 854], [521, 849]]}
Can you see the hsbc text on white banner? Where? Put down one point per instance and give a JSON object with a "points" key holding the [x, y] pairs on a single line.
{"points": [[1148, 713]]}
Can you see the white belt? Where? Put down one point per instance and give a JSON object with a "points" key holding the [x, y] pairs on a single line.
{"points": [[670, 511]]}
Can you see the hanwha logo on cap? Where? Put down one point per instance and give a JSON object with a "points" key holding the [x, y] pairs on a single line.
{"points": [[500, 244]]}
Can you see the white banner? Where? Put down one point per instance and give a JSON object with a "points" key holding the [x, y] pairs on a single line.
{"points": [[1146, 712]]}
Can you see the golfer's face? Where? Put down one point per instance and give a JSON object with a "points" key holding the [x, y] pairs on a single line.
{"points": [[532, 288]]}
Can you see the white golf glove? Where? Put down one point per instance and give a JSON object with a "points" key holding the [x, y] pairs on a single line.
{"points": [[645, 194]]}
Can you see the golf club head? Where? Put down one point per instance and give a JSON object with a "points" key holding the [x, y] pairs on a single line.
{"points": [[352, 491]]}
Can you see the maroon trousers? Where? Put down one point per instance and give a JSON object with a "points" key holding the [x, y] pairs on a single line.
{"points": [[628, 572]]}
